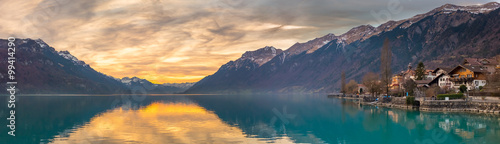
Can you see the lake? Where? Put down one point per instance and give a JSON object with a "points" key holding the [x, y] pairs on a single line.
{"points": [[235, 119]]}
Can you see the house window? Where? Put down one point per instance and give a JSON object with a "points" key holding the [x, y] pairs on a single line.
{"points": [[477, 83], [469, 75]]}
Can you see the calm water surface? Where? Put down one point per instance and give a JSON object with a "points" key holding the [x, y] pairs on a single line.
{"points": [[234, 119]]}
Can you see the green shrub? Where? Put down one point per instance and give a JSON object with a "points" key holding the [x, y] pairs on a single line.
{"points": [[463, 88], [410, 100], [451, 96]]}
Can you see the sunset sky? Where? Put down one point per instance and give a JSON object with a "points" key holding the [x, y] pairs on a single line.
{"points": [[185, 40]]}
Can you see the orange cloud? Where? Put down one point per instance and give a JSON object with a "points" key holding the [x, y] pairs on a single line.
{"points": [[178, 40]]}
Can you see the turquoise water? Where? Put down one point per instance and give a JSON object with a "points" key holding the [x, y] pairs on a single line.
{"points": [[234, 119]]}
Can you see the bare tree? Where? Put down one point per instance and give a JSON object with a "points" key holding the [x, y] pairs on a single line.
{"points": [[409, 86], [385, 65], [370, 80], [432, 91], [492, 83], [352, 87], [342, 82]]}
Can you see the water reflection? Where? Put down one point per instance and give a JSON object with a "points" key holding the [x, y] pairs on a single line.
{"points": [[427, 127], [237, 119], [158, 123]]}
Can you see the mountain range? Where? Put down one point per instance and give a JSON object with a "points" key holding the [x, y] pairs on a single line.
{"points": [[146, 86], [443, 36], [440, 37], [40, 69]]}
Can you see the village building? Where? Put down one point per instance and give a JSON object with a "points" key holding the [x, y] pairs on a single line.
{"points": [[400, 78], [442, 78], [429, 75], [471, 76], [472, 73], [488, 64]]}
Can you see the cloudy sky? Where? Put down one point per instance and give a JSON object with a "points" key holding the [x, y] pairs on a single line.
{"points": [[185, 40]]}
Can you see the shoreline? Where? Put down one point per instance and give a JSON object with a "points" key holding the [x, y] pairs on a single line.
{"points": [[476, 107]]}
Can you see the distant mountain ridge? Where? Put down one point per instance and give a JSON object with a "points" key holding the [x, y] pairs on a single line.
{"points": [[440, 37], [150, 88]]}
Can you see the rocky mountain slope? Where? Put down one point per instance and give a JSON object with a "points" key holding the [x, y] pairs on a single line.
{"points": [[440, 37], [40, 69]]}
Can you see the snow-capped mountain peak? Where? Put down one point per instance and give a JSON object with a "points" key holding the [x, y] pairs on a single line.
{"points": [[475, 9], [261, 55], [310, 46], [68, 56], [135, 82], [365, 31], [41, 43], [129, 81], [356, 33]]}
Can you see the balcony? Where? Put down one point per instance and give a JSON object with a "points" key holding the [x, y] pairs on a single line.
{"points": [[466, 79]]}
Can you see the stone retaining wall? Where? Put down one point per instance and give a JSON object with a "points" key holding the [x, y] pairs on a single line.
{"points": [[488, 98], [476, 106], [398, 100], [486, 107]]}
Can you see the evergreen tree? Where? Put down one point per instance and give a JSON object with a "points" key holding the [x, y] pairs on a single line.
{"points": [[420, 72]]}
